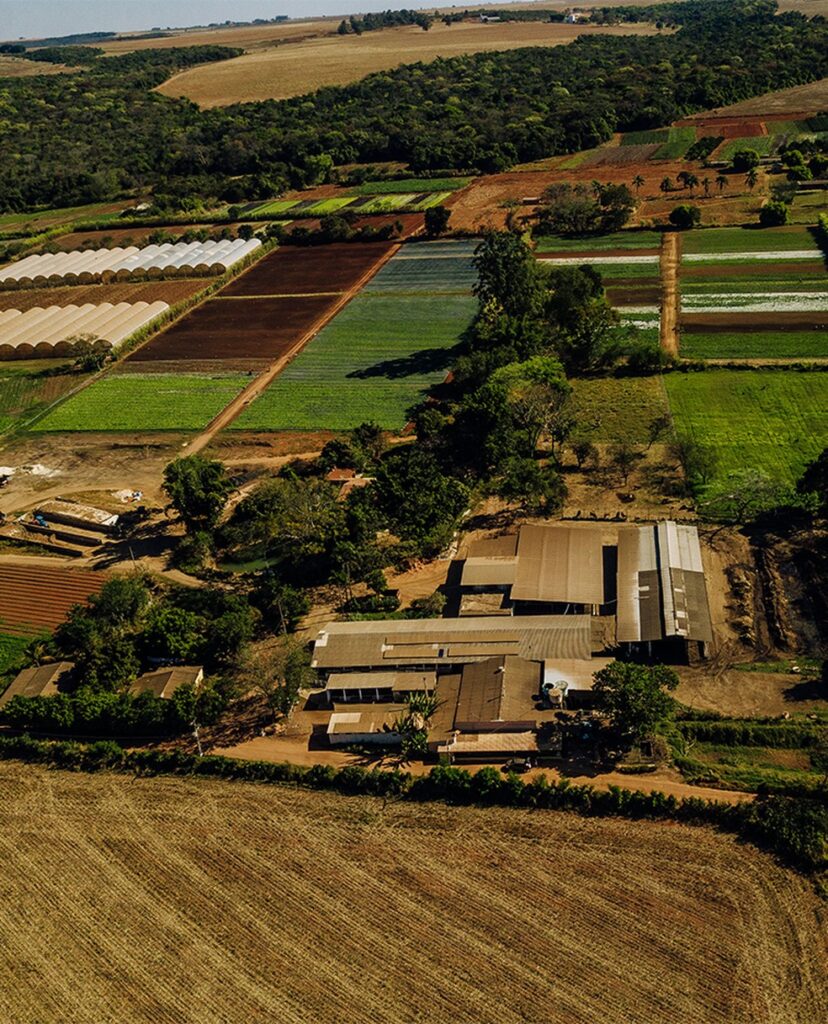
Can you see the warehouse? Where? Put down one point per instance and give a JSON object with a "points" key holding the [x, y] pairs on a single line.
{"points": [[55, 330], [87, 266]]}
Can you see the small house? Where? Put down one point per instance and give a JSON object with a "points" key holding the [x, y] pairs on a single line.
{"points": [[163, 682], [38, 681]]}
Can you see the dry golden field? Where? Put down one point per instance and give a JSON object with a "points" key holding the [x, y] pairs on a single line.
{"points": [[299, 67], [797, 99], [17, 67], [175, 901]]}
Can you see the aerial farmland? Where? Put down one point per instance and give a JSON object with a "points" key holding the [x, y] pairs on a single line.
{"points": [[414, 515]]}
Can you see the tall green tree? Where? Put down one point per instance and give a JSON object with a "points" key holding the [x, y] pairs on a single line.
{"points": [[198, 489], [636, 698]]}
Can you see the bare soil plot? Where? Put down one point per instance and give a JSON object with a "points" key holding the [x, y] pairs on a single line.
{"points": [[304, 271], [298, 906], [36, 598], [237, 330], [292, 70], [635, 295], [155, 291], [712, 323]]}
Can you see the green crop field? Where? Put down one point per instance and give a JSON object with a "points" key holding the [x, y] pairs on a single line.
{"points": [[388, 204], [716, 240], [649, 137], [278, 206], [436, 199], [405, 185], [427, 268], [613, 271], [11, 651], [328, 206], [145, 402], [26, 389], [678, 141], [755, 345], [761, 144], [750, 284], [593, 243], [775, 421], [623, 407]]}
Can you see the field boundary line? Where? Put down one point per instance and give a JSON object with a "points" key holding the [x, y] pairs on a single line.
{"points": [[263, 381]]}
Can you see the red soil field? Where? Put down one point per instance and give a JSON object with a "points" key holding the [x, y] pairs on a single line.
{"points": [[719, 323], [233, 330], [37, 598], [153, 291], [304, 271]]}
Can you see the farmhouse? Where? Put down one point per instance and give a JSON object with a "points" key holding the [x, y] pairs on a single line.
{"points": [[164, 682], [38, 681]]}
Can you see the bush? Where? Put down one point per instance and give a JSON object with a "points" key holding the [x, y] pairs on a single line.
{"points": [[773, 214], [745, 160], [685, 216]]}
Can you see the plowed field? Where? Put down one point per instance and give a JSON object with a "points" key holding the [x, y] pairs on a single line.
{"points": [[177, 901], [37, 597], [295, 271], [237, 332], [154, 291], [712, 323]]}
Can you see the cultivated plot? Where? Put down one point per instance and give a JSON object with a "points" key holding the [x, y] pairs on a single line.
{"points": [[37, 598], [297, 271], [382, 353], [774, 421], [139, 402]]}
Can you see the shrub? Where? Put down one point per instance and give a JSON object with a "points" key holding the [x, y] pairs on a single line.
{"points": [[745, 160], [773, 214], [685, 216]]}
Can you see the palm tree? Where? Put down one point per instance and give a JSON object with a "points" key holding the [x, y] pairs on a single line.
{"points": [[721, 181], [638, 183], [751, 178], [692, 182], [706, 183]]}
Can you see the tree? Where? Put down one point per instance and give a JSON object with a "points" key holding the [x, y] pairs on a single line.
{"points": [[584, 451], [814, 480], [436, 220], [773, 214], [624, 458], [667, 185], [575, 210], [685, 217], [277, 673], [751, 178], [721, 181], [508, 277], [745, 160], [198, 489], [638, 183], [173, 633], [538, 489], [534, 392], [281, 604], [368, 440], [658, 428], [706, 183], [636, 697], [746, 494]]}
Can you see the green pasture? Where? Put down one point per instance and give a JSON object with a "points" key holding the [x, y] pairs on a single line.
{"points": [[592, 243], [327, 206], [761, 144], [678, 141], [648, 137], [622, 407], [145, 402], [405, 185], [755, 345], [26, 389], [775, 421], [278, 206], [738, 239], [12, 649]]}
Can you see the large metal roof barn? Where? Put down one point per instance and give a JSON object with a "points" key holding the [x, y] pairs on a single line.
{"points": [[559, 565]]}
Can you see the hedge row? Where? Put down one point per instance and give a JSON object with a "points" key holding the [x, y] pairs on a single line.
{"points": [[795, 829], [749, 734]]}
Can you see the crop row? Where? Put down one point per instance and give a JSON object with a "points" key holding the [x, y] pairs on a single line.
{"points": [[385, 202]]}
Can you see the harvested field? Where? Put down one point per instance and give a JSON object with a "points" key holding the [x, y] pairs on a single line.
{"points": [[251, 37], [128, 907], [293, 70], [237, 331], [800, 99], [19, 67], [36, 598], [133, 402], [638, 295], [153, 291], [774, 421], [304, 271]]}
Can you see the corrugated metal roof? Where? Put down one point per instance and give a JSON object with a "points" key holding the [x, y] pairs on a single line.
{"points": [[400, 681], [494, 547], [661, 585], [535, 637], [561, 564], [38, 681], [488, 572], [500, 689]]}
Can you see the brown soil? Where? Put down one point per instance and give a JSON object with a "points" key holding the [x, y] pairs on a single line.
{"points": [[156, 291], [292, 70], [763, 268], [719, 323], [289, 905], [744, 694], [303, 271], [670, 299], [233, 330], [36, 598], [646, 296]]}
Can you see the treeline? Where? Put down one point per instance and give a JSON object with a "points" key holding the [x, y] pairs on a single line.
{"points": [[454, 17], [793, 735], [357, 24], [794, 829], [100, 132]]}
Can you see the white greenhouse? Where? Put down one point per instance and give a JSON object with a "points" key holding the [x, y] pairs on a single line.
{"points": [[88, 266], [53, 331]]}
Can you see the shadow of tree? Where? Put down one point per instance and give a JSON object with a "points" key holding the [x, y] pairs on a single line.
{"points": [[426, 361]]}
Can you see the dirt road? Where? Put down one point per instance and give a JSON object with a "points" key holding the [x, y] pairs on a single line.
{"points": [[254, 389], [670, 261]]}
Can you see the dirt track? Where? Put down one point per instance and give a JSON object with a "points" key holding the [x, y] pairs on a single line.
{"points": [[175, 901], [670, 299]]}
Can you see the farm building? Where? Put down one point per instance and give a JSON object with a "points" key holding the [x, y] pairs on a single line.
{"points": [[38, 681], [55, 330], [73, 513], [163, 682], [87, 266], [350, 728], [648, 580], [377, 687]]}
